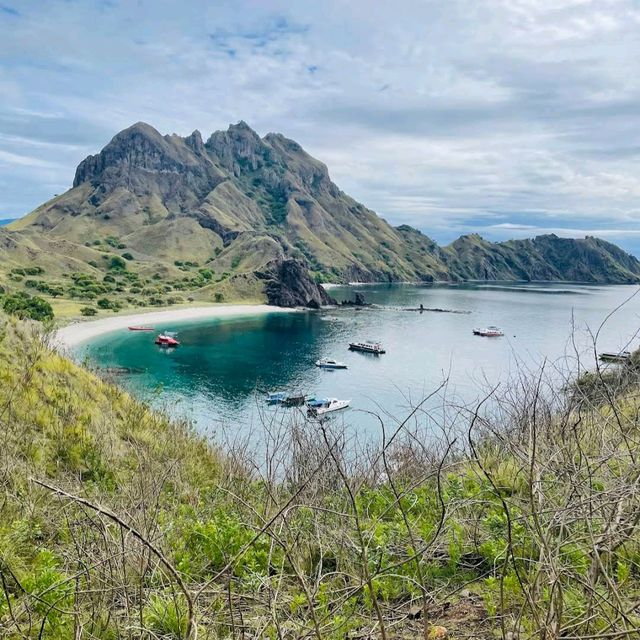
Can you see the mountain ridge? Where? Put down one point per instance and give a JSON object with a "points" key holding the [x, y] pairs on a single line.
{"points": [[240, 204]]}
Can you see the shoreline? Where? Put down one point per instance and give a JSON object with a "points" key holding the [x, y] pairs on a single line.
{"points": [[76, 333]]}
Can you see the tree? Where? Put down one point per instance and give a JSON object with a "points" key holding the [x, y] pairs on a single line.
{"points": [[25, 306]]}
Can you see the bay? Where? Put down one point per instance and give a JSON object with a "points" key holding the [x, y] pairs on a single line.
{"points": [[219, 374]]}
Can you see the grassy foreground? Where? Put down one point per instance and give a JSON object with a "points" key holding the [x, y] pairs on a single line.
{"points": [[519, 521]]}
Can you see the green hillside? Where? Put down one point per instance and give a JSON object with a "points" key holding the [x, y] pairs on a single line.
{"points": [[237, 207], [117, 522]]}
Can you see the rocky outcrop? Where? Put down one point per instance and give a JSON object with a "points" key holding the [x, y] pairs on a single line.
{"points": [[288, 284]]}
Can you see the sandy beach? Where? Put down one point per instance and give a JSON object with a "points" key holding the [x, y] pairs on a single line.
{"points": [[82, 331]]}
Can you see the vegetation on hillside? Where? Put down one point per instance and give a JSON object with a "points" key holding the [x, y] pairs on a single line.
{"points": [[516, 517], [237, 205]]}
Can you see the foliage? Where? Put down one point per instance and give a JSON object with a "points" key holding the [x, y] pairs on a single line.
{"points": [[88, 311], [23, 305]]}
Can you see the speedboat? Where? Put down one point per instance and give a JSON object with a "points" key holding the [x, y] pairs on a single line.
{"points": [[327, 406], [367, 347], [164, 340], [317, 402], [488, 332], [328, 363], [141, 329]]}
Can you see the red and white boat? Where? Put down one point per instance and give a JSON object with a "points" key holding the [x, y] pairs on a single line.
{"points": [[166, 341], [141, 329]]}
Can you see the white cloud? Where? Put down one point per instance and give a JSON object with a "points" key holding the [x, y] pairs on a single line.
{"points": [[447, 115]]}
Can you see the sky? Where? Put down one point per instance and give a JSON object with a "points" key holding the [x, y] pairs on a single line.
{"points": [[509, 118]]}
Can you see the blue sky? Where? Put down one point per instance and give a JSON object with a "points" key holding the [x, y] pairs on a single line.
{"points": [[504, 117]]}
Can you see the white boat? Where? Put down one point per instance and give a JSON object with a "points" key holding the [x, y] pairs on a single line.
{"points": [[329, 405], [276, 396], [488, 332], [367, 347], [328, 363]]}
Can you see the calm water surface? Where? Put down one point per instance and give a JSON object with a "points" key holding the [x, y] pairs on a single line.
{"points": [[214, 376]]}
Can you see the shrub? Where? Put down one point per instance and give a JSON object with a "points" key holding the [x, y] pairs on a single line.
{"points": [[33, 271], [235, 262], [207, 274], [219, 297], [117, 264], [25, 306], [127, 256], [105, 303], [108, 278], [88, 311]]}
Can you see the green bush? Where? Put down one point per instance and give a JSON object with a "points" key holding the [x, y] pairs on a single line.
{"points": [[23, 305], [127, 256], [93, 264], [117, 264], [219, 297], [105, 303], [88, 311]]}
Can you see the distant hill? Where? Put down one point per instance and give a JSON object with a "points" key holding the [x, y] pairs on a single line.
{"points": [[243, 205]]}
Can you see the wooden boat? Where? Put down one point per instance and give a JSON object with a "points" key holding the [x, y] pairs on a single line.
{"points": [[166, 341], [141, 329], [328, 363], [328, 406], [488, 332], [367, 347], [609, 356]]}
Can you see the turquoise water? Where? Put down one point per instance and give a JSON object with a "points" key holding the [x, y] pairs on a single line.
{"points": [[218, 375]]}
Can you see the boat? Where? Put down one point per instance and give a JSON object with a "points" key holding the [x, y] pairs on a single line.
{"points": [[317, 402], [367, 347], [620, 356], [164, 340], [488, 332], [328, 363], [296, 400], [141, 329], [327, 406], [275, 397]]}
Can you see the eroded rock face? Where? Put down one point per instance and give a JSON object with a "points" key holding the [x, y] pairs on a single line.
{"points": [[288, 284]]}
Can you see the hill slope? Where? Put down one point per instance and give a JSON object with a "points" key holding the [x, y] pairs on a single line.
{"points": [[239, 205]]}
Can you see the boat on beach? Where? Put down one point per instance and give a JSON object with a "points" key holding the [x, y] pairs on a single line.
{"points": [[488, 332], [141, 328], [328, 405], [164, 340], [367, 347], [328, 363]]}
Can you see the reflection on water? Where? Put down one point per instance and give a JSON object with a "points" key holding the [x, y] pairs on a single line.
{"points": [[223, 365]]}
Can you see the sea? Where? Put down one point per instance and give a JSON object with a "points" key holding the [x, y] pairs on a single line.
{"points": [[219, 376]]}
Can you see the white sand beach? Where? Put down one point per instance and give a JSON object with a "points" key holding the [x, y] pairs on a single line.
{"points": [[78, 332]]}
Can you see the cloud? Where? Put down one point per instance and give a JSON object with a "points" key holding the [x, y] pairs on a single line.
{"points": [[499, 116]]}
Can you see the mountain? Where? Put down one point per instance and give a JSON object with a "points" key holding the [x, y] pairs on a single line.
{"points": [[241, 206]]}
